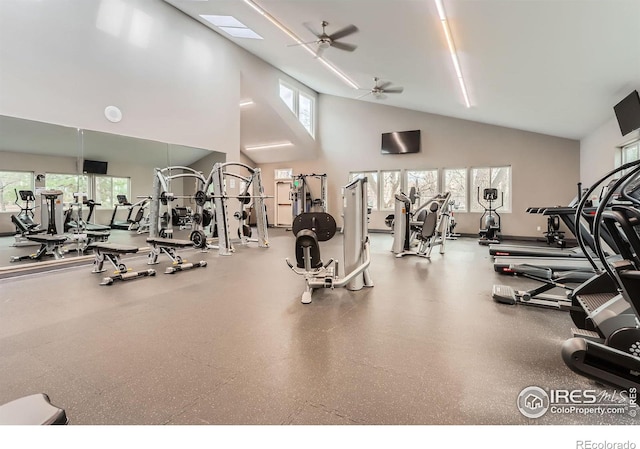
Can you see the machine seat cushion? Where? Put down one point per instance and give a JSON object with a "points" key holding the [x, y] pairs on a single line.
{"points": [[170, 243], [32, 410], [323, 224], [47, 238], [307, 238], [113, 248]]}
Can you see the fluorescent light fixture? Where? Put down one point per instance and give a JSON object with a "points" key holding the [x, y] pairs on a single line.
{"points": [[299, 41], [246, 103], [246, 33], [223, 21], [268, 146], [452, 50]]}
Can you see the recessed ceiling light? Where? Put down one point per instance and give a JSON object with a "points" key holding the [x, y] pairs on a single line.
{"points": [[223, 21], [241, 32], [268, 146]]}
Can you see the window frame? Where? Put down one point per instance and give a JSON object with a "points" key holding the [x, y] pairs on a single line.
{"points": [[381, 189], [94, 190], [407, 183], [65, 198], [507, 207], [11, 206], [295, 108], [444, 188]]}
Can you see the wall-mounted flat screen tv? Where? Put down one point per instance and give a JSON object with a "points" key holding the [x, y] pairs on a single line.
{"points": [[401, 142], [94, 167], [628, 113]]}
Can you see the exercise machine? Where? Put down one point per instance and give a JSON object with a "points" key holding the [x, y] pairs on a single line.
{"points": [[135, 216], [490, 225], [310, 228], [252, 192], [302, 197], [610, 352], [24, 221], [163, 216], [428, 225], [51, 213]]}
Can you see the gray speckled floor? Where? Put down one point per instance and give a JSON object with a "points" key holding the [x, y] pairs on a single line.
{"points": [[231, 343]]}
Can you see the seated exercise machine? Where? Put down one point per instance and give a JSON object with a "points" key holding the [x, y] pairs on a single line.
{"points": [[111, 252], [50, 243], [169, 246], [428, 225], [24, 221], [490, 225], [133, 221], [310, 228], [33, 410]]}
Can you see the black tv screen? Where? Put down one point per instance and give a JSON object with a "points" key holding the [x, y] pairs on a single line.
{"points": [[94, 167], [628, 113], [401, 142]]}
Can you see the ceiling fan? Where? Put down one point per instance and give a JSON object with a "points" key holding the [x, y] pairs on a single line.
{"points": [[325, 40], [380, 89]]}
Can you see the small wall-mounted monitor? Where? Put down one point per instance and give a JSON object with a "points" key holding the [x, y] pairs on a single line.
{"points": [[94, 167], [401, 142], [628, 113]]}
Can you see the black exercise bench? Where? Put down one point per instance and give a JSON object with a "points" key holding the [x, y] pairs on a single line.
{"points": [[112, 253], [50, 245], [32, 410], [169, 247]]}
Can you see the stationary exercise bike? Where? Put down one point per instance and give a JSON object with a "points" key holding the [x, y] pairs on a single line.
{"points": [[490, 219]]}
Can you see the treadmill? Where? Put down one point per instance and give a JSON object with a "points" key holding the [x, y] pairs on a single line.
{"points": [[124, 225]]}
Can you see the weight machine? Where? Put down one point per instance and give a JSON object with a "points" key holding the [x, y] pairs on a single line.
{"points": [[161, 209], [253, 190], [313, 227], [429, 225], [302, 195]]}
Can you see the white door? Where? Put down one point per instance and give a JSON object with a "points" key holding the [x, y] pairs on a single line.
{"points": [[283, 203]]}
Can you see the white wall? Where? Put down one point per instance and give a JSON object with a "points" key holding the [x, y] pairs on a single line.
{"points": [[545, 169], [598, 150], [175, 81]]}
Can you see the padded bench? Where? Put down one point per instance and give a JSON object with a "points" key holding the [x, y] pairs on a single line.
{"points": [[169, 247], [32, 410], [49, 246], [112, 252]]}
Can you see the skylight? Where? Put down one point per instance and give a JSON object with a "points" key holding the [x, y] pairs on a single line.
{"points": [[247, 33], [231, 26]]}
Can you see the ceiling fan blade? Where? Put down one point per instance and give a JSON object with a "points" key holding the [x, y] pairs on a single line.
{"points": [[394, 90], [362, 96], [343, 46], [384, 85], [302, 43], [346, 31], [312, 30]]}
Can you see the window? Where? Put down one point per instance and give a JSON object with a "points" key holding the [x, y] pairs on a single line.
{"points": [[372, 186], [390, 185], [302, 105], [305, 112], [69, 184], [425, 182], [490, 177], [455, 182], [287, 94], [630, 153], [10, 183], [107, 188], [283, 173]]}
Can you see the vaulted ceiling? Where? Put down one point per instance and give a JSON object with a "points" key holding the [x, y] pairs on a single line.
{"points": [[553, 67]]}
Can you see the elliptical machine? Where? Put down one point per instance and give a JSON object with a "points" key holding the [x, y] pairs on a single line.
{"points": [[490, 219]]}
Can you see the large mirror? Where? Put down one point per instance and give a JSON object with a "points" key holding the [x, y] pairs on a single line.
{"points": [[115, 174]]}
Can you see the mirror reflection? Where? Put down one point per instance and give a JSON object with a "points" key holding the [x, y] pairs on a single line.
{"points": [[62, 188]]}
